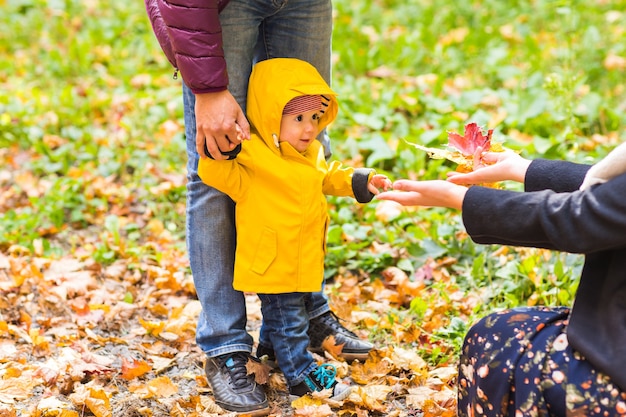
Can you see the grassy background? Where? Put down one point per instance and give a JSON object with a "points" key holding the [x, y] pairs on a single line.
{"points": [[91, 125]]}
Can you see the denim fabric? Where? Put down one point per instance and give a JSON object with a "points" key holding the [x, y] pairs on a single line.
{"points": [[252, 31], [285, 325]]}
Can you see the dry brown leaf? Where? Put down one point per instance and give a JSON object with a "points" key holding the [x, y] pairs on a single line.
{"points": [[7, 412], [432, 402], [329, 345], [444, 373], [432, 409], [208, 405], [371, 397], [375, 369], [15, 389], [417, 396], [277, 382], [387, 210], [260, 370], [409, 359], [53, 407], [160, 363], [183, 321]]}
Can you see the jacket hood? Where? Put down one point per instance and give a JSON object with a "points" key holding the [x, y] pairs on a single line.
{"points": [[273, 83]]}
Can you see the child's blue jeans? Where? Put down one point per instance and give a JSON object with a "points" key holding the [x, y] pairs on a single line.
{"points": [[285, 325]]}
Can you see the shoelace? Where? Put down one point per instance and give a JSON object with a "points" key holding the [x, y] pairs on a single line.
{"points": [[332, 321], [325, 375], [235, 365]]}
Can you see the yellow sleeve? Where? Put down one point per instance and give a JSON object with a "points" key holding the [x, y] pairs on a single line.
{"points": [[227, 176]]}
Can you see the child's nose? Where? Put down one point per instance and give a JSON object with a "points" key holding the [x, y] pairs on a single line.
{"points": [[311, 126]]}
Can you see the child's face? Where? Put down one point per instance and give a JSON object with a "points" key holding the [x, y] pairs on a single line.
{"points": [[300, 130]]}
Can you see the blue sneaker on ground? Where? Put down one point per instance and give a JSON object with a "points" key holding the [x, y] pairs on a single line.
{"points": [[323, 377]]}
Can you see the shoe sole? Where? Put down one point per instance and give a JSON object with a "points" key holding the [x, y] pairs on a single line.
{"points": [[347, 356], [340, 397], [259, 412]]}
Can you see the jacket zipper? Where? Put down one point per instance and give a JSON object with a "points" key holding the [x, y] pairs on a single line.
{"points": [[175, 74]]}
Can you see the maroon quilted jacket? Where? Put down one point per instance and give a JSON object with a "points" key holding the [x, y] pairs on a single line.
{"points": [[190, 34]]}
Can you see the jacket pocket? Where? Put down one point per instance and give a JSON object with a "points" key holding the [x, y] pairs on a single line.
{"points": [[265, 252]]}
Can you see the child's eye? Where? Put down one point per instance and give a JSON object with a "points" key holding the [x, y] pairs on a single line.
{"points": [[316, 116], [299, 118]]}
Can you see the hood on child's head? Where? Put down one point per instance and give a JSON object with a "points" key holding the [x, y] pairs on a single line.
{"points": [[274, 83]]}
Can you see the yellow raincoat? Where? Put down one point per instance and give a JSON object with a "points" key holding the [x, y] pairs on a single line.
{"points": [[281, 211]]}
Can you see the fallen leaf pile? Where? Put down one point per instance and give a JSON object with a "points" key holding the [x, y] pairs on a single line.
{"points": [[104, 324], [78, 338]]}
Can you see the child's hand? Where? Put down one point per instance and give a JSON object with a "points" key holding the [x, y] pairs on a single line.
{"points": [[377, 182]]}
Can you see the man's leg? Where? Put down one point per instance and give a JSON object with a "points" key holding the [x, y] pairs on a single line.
{"points": [[221, 330]]}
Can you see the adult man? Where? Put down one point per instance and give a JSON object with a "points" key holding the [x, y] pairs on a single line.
{"points": [[214, 44]]}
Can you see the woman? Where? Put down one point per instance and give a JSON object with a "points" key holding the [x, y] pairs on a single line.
{"points": [[544, 361]]}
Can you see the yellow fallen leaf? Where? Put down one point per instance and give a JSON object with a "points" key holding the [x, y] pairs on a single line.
{"points": [[152, 327], [98, 403], [162, 387], [15, 389], [314, 411], [375, 369], [371, 397], [331, 347], [53, 407]]}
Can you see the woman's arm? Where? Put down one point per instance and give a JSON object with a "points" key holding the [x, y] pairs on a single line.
{"points": [[539, 174], [577, 222], [437, 193]]}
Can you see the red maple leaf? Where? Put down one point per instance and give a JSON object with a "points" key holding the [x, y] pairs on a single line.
{"points": [[472, 140]]}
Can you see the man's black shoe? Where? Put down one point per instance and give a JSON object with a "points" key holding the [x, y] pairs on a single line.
{"points": [[233, 389], [328, 325]]}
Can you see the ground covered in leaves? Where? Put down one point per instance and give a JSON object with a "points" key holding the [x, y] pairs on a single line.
{"points": [[99, 320], [79, 339]]}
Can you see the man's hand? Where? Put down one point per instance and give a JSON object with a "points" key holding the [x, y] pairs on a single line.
{"points": [[220, 124]]}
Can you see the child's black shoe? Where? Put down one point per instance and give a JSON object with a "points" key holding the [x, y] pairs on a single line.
{"points": [[320, 379]]}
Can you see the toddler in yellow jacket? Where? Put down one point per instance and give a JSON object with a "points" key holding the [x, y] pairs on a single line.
{"points": [[279, 182]]}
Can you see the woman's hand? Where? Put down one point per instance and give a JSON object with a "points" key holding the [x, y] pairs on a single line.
{"points": [[437, 193], [490, 167], [379, 182]]}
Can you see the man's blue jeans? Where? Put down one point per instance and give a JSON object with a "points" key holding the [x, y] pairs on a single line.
{"points": [[285, 325], [252, 31]]}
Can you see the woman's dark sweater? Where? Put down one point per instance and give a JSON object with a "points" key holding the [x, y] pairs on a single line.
{"points": [[554, 214]]}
